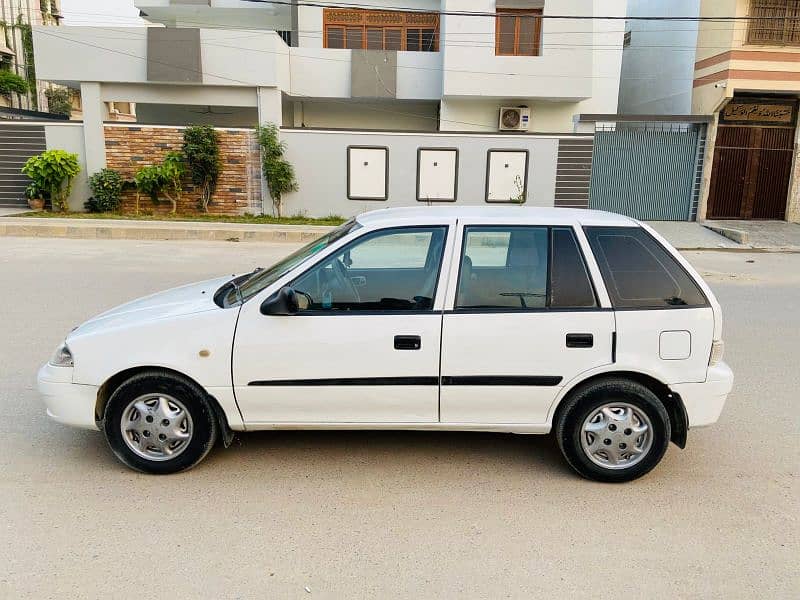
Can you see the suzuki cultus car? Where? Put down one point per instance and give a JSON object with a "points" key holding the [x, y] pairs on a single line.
{"points": [[511, 319]]}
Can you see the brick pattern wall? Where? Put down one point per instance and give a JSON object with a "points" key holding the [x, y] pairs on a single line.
{"points": [[129, 148]]}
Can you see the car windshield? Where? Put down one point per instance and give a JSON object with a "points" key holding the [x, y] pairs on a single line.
{"points": [[245, 287]]}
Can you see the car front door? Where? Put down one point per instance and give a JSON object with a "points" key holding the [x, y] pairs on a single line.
{"points": [[525, 320], [365, 346]]}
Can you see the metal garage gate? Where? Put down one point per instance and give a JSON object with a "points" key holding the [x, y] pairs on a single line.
{"points": [[649, 171], [18, 142]]}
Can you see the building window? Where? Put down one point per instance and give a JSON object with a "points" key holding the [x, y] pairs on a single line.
{"points": [[518, 32], [380, 30], [775, 22]]}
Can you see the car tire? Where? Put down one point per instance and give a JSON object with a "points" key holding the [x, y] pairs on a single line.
{"points": [[169, 423], [613, 430]]}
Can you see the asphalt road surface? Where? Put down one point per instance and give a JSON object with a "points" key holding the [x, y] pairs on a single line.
{"points": [[389, 514]]}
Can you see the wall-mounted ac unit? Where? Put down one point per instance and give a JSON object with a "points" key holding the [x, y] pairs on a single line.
{"points": [[514, 118]]}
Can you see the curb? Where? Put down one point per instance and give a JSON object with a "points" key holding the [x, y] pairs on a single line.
{"points": [[159, 230], [736, 235]]}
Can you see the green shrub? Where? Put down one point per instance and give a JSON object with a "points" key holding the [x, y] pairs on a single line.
{"points": [[201, 149], [59, 101], [163, 179], [278, 172], [106, 187], [53, 171], [11, 82]]}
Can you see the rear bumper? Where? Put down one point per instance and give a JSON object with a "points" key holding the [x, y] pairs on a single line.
{"points": [[704, 401], [69, 403]]}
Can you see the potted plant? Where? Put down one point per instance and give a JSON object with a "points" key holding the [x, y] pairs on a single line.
{"points": [[53, 171], [35, 197]]}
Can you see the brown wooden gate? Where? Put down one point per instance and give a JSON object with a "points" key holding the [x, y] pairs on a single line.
{"points": [[751, 171]]}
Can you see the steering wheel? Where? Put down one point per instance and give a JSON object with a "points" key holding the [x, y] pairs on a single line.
{"points": [[344, 279]]}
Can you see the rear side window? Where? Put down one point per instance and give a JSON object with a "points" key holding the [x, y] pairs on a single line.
{"points": [[522, 268], [639, 272], [569, 281]]}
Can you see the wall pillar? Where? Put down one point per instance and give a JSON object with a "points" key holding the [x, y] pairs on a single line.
{"points": [[793, 203], [94, 138], [269, 106], [708, 163]]}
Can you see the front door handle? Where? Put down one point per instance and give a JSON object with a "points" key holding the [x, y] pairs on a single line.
{"points": [[580, 340], [407, 342]]}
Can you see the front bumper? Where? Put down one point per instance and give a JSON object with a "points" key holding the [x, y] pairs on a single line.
{"points": [[704, 401], [69, 403]]}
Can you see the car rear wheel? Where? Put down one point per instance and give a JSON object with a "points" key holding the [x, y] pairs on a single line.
{"points": [[613, 430], [158, 423]]}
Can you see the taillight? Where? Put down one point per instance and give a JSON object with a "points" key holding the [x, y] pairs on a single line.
{"points": [[717, 350]]}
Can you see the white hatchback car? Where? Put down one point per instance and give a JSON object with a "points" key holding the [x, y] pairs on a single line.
{"points": [[509, 319]]}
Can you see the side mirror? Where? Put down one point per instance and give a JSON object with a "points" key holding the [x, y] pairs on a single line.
{"points": [[282, 302]]}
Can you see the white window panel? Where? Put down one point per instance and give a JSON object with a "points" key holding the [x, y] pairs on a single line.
{"points": [[367, 173], [436, 174], [506, 175]]}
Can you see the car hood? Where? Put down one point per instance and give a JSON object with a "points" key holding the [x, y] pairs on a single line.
{"points": [[179, 301]]}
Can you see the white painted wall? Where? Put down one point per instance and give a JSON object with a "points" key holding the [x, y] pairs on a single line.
{"points": [[569, 78], [69, 137], [658, 66], [320, 161]]}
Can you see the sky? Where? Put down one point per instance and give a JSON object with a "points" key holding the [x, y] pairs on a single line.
{"points": [[100, 12]]}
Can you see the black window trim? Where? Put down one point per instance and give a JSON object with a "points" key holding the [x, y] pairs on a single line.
{"points": [[548, 308], [429, 311], [420, 149], [385, 175], [489, 153], [706, 302]]}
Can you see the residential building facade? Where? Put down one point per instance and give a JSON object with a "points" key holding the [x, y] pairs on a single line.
{"points": [[747, 75], [447, 65], [658, 58], [17, 17]]}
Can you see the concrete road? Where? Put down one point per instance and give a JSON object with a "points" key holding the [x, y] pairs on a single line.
{"points": [[363, 515]]}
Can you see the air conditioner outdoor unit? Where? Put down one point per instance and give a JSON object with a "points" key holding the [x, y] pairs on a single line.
{"points": [[514, 118]]}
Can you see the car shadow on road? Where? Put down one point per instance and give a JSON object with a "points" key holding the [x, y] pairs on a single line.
{"points": [[383, 449]]}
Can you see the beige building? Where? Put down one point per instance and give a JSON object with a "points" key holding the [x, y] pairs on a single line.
{"points": [[747, 75]]}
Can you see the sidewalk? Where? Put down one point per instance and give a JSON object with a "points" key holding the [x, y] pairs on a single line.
{"points": [[772, 235], [777, 236], [114, 229]]}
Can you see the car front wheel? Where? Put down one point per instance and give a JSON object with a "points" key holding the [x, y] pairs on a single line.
{"points": [[613, 430], [158, 423]]}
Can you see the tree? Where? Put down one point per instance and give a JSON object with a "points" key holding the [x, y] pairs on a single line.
{"points": [[163, 179], [201, 148], [59, 101], [278, 171], [12, 83]]}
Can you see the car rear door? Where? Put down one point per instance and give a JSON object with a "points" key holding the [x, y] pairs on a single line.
{"points": [[523, 320], [364, 348]]}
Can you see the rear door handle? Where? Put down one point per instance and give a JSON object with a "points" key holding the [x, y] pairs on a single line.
{"points": [[407, 342], [580, 340]]}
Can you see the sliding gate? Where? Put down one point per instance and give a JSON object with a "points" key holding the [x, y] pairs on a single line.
{"points": [[649, 171]]}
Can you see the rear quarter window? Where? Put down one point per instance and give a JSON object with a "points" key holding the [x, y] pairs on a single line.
{"points": [[639, 272]]}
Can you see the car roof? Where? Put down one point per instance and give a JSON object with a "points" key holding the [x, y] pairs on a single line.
{"points": [[510, 215]]}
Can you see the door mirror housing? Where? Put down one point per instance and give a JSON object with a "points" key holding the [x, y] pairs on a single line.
{"points": [[283, 302]]}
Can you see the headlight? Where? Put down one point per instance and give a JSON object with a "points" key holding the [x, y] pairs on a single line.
{"points": [[62, 357]]}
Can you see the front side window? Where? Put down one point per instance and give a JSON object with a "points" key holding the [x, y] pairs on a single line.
{"points": [[519, 268], [518, 32], [639, 272], [251, 284], [392, 269]]}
